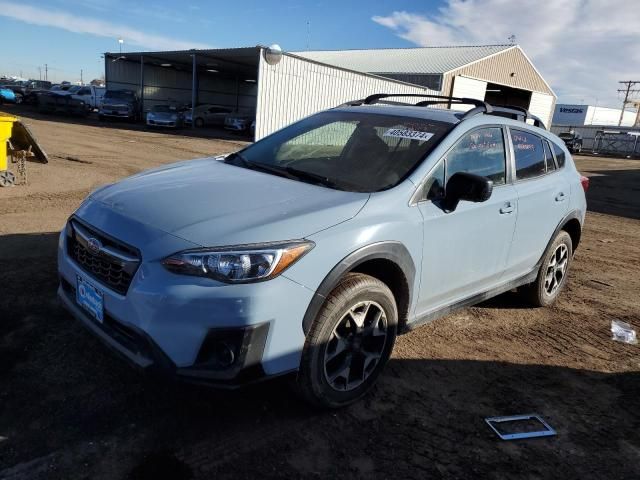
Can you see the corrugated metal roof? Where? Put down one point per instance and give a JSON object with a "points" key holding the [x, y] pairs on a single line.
{"points": [[405, 60]]}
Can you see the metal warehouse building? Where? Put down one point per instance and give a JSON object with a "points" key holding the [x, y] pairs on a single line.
{"points": [[499, 74], [280, 89]]}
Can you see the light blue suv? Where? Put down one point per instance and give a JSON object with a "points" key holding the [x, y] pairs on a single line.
{"points": [[307, 252]]}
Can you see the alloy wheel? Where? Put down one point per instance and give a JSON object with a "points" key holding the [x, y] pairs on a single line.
{"points": [[355, 346], [556, 269]]}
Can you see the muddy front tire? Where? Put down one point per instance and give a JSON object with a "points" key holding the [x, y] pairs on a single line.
{"points": [[349, 342]]}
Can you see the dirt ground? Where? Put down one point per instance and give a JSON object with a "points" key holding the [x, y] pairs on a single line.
{"points": [[69, 409]]}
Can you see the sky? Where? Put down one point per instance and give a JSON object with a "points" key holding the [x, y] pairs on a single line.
{"points": [[581, 47]]}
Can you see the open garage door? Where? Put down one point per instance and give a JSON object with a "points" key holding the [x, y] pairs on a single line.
{"points": [[542, 107], [469, 88]]}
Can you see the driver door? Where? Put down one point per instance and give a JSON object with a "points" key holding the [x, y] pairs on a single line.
{"points": [[465, 251]]}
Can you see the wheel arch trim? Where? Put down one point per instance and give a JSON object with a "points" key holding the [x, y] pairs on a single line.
{"points": [[392, 251]]}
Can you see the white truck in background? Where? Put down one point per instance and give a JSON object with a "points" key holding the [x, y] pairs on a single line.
{"points": [[89, 94]]}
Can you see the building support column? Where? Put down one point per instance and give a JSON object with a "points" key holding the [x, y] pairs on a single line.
{"points": [[142, 87], [194, 91]]}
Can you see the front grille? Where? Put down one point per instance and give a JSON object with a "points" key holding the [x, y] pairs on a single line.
{"points": [[109, 261]]}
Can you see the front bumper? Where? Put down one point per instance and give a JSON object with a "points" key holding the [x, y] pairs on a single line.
{"points": [[115, 113], [163, 123], [138, 348], [176, 318]]}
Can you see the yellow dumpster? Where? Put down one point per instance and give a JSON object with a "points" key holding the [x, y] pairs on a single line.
{"points": [[6, 126]]}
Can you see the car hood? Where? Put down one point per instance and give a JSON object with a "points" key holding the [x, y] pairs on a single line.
{"points": [[210, 203]]}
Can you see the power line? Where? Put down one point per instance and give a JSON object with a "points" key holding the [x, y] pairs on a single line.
{"points": [[629, 90]]}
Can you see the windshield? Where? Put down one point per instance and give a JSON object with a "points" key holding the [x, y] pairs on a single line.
{"points": [[163, 109], [359, 152], [74, 89], [119, 94]]}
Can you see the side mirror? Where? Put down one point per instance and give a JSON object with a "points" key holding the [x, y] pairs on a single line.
{"points": [[466, 186]]}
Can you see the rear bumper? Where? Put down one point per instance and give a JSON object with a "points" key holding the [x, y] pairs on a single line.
{"points": [[139, 350]]}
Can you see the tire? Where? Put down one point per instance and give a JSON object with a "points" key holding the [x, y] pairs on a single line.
{"points": [[18, 98], [553, 273], [199, 123], [349, 342]]}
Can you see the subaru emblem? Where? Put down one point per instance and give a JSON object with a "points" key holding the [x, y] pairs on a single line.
{"points": [[94, 245]]}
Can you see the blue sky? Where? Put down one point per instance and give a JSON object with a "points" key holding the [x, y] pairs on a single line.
{"points": [[333, 24], [581, 47]]}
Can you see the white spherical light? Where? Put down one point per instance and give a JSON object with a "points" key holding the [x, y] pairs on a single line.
{"points": [[273, 54]]}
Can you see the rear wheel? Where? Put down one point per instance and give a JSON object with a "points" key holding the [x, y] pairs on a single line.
{"points": [[199, 123], [553, 272], [349, 343]]}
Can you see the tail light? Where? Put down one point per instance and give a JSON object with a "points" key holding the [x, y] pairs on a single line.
{"points": [[584, 181]]}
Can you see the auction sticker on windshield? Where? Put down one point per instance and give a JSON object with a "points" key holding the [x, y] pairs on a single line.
{"points": [[408, 133], [90, 298]]}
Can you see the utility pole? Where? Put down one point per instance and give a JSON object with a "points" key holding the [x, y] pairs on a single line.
{"points": [[81, 82], [40, 73], [628, 91], [46, 72]]}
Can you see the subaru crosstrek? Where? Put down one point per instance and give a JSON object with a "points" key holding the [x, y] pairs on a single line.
{"points": [[307, 252]]}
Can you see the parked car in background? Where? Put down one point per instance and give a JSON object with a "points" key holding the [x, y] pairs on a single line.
{"points": [[210, 115], [165, 116], [7, 95], [19, 89], [89, 94], [119, 104], [53, 102], [307, 252], [239, 122], [572, 140]]}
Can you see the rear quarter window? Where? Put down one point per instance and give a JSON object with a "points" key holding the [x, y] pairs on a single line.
{"points": [[529, 154], [559, 153]]}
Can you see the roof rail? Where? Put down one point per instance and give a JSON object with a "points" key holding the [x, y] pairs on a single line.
{"points": [[510, 111], [480, 106], [372, 99]]}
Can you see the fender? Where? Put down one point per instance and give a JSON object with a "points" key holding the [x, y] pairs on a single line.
{"points": [[572, 215], [393, 251]]}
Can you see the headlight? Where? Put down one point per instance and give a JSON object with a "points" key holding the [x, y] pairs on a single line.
{"points": [[240, 264]]}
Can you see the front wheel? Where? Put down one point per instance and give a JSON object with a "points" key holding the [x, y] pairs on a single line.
{"points": [[18, 98], [349, 343], [553, 272]]}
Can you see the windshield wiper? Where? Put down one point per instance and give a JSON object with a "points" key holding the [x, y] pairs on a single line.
{"points": [[314, 177], [287, 172]]}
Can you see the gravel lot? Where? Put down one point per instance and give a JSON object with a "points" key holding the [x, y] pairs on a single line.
{"points": [[70, 409]]}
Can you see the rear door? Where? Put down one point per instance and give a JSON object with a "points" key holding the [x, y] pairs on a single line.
{"points": [[543, 199], [465, 251]]}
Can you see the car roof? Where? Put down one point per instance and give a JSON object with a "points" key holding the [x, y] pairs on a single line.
{"points": [[439, 114]]}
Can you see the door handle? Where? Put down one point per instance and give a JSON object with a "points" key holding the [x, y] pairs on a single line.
{"points": [[506, 208], [560, 197]]}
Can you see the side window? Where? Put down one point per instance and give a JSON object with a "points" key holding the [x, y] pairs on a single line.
{"points": [[480, 152], [551, 164], [559, 155], [529, 154]]}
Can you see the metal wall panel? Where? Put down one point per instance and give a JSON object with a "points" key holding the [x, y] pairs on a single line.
{"points": [[468, 88], [296, 88], [541, 106]]}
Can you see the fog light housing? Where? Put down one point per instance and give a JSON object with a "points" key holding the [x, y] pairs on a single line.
{"points": [[226, 352]]}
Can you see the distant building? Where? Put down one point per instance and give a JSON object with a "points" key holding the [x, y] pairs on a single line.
{"points": [[566, 114]]}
